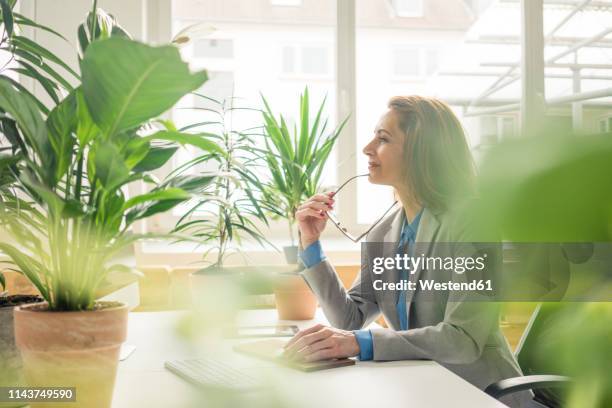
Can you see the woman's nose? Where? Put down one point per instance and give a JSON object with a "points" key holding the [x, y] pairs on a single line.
{"points": [[367, 149]]}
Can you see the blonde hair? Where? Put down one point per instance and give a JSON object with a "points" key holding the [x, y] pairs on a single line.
{"points": [[439, 165]]}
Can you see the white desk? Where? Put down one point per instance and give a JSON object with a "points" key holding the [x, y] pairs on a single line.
{"points": [[142, 380]]}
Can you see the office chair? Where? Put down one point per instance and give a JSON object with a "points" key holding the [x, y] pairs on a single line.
{"points": [[547, 389]]}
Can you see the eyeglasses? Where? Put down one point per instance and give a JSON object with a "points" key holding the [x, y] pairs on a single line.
{"points": [[334, 218]]}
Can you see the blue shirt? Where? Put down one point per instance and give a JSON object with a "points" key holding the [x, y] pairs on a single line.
{"points": [[314, 254]]}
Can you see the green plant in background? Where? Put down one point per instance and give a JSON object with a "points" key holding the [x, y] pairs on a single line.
{"points": [[296, 158], [98, 25], [31, 59], [227, 211], [63, 194], [552, 187]]}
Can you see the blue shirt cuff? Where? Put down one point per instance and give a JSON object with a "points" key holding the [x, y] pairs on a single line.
{"points": [[312, 255], [366, 346]]}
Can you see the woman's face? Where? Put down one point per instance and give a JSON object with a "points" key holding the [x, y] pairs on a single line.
{"points": [[386, 151]]}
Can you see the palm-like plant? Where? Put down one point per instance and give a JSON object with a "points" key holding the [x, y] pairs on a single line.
{"points": [[63, 185], [227, 211], [296, 159]]}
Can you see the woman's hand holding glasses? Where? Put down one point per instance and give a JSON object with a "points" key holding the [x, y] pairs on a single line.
{"points": [[312, 217]]}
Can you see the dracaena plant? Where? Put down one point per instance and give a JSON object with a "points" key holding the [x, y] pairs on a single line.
{"points": [[296, 157], [63, 194], [228, 210]]}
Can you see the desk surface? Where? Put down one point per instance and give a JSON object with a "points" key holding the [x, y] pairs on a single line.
{"points": [[142, 380]]}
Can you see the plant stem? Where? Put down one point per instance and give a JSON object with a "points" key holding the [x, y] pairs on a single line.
{"points": [[290, 222], [79, 178], [94, 22]]}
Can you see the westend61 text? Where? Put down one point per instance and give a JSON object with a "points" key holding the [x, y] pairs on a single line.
{"points": [[431, 285]]}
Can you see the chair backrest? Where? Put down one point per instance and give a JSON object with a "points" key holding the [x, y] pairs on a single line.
{"points": [[528, 351]]}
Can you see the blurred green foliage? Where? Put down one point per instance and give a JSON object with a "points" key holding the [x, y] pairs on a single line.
{"points": [[554, 187]]}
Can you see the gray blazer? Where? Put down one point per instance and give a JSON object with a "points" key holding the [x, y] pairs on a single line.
{"points": [[462, 336]]}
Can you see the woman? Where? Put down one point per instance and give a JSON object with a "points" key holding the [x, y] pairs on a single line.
{"points": [[419, 149]]}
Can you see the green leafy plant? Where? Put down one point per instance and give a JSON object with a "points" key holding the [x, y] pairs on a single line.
{"points": [[63, 197], [296, 159], [228, 209], [30, 59], [555, 187]]}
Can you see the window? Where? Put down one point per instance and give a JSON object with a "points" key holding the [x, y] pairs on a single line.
{"points": [[406, 62], [431, 61], [397, 56], [508, 127], [496, 128], [310, 61], [605, 124], [314, 60], [289, 66], [412, 62], [253, 50], [408, 8], [220, 86], [488, 130], [213, 48]]}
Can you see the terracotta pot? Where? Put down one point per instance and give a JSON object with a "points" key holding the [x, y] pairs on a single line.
{"points": [[10, 359], [294, 299], [72, 349]]}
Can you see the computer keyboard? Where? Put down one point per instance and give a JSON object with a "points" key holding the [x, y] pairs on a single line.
{"points": [[213, 372]]}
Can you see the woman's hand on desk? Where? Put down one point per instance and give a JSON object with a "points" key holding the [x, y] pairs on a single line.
{"points": [[311, 217], [322, 343]]}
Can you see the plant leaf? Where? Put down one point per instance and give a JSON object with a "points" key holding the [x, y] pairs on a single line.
{"points": [[28, 266], [7, 17], [157, 195], [197, 140], [155, 158], [86, 128], [25, 112], [110, 168], [23, 20], [36, 49], [60, 125], [141, 83]]}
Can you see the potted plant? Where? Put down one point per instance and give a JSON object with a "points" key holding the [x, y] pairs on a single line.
{"points": [[296, 161], [226, 213], [67, 212], [31, 61]]}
